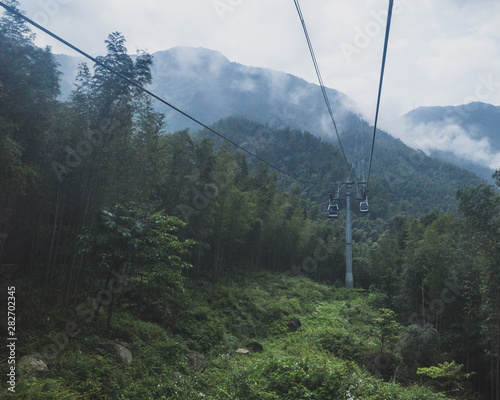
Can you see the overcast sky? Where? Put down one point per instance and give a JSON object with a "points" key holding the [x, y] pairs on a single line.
{"points": [[442, 52]]}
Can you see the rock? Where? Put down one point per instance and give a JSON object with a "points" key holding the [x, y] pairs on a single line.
{"points": [[125, 344], [33, 365], [124, 354], [294, 324], [243, 352], [255, 347], [196, 360]]}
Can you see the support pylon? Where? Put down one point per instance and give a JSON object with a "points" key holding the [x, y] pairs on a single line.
{"points": [[345, 191], [349, 280]]}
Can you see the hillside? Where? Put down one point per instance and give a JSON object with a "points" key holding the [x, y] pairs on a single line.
{"points": [[403, 180], [330, 351], [466, 135], [480, 119], [206, 85]]}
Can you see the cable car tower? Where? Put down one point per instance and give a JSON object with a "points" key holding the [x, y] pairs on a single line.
{"points": [[359, 187], [356, 188]]}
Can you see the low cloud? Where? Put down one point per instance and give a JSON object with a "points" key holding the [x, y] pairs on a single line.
{"points": [[447, 136], [438, 65], [245, 85]]}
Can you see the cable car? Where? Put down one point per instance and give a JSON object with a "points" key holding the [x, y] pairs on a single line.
{"points": [[363, 206], [333, 210]]}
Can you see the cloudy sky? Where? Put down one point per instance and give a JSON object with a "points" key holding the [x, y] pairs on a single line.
{"points": [[442, 52]]}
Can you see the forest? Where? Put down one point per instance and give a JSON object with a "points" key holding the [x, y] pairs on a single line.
{"points": [[179, 245]]}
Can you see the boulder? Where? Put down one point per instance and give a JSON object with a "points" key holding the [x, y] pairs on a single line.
{"points": [[33, 365], [294, 324], [196, 360], [243, 352], [119, 350], [125, 344], [255, 347]]}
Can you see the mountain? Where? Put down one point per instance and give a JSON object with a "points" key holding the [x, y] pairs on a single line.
{"points": [[208, 86], [403, 180], [466, 135]]}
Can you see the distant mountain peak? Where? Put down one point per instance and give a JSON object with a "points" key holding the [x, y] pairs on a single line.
{"points": [[464, 111], [208, 86], [205, 84], [467, 135], [190, 57]]}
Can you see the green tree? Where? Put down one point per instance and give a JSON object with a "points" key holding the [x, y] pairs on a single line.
{"points": [[446, 377], [110, 243], [160, 257], [29, 85], [388, 327], [481, 209], [144, 246], [107, 151]]}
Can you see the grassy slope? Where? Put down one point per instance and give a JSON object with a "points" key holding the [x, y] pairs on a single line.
{"points": [[324, 359]]}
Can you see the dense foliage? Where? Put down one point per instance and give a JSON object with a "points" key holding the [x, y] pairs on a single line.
{"points": [[334, 355], [157, 240]]}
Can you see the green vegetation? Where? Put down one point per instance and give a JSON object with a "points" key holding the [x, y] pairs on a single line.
{"points": [[326, 358], [179, 246], [446, 376]]}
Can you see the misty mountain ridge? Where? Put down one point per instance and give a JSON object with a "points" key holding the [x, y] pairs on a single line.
{"points": [[480, 119], [466, 135], [206, 85]]}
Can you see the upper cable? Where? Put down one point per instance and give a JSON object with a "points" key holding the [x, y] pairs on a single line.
{"points": [[320, 79], [384, 56], [140, 87]]}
